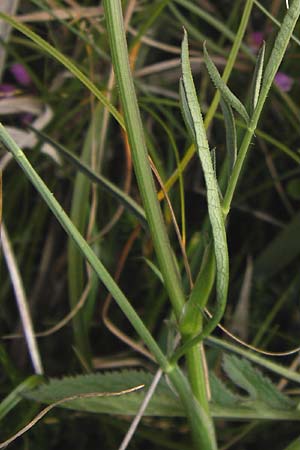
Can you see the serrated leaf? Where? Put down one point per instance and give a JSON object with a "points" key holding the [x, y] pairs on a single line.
{"points": [[257, 79], [221, 395], [164, 403], [259, 388], [225, 92]]}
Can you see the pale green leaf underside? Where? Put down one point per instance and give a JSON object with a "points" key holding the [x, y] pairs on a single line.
{"points": [[164, 402]]}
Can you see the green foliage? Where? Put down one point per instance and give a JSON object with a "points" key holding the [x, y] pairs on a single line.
{"points": [[226, 93], [251, 198], [263, 400], [259, 388]]}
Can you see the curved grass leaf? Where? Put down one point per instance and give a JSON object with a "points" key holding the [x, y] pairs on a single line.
{"points": [[86, 250], [107, 185], [226, 93], [66, 62]]}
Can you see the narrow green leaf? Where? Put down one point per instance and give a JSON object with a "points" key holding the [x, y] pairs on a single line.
{"points": [[15, 396], [107, 185], [185, 110], [231, 137], [85, 249], [154, 269], [257, 79], [226, 93], [260, 388], [213, 201]]}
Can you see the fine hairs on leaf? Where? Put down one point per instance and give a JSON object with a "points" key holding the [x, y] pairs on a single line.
{"points": [[193, 113], [226, 93], [257, 79]]}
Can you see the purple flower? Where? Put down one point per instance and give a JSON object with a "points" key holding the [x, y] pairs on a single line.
{"points": [[7, 90], [20, 73], [283, 81]]}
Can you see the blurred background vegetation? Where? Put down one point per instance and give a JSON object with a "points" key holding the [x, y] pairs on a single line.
{"points": [[263, 229]]}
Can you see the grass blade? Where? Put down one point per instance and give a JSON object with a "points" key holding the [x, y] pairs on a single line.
{"points": [[107, 185], [84, 247]]}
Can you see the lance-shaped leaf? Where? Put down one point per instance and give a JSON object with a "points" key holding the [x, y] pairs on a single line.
{"points": [[225, 92], [257, 79], [213, 200]]}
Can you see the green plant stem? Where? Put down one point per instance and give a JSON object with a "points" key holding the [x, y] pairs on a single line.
{"points": [[134, 128], [197, 375], [201, 423], [274, 62], [199, 418]]}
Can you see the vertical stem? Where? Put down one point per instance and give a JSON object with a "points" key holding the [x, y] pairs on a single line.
{"points": [[197, 374], [134, 128], [198, 414]]}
